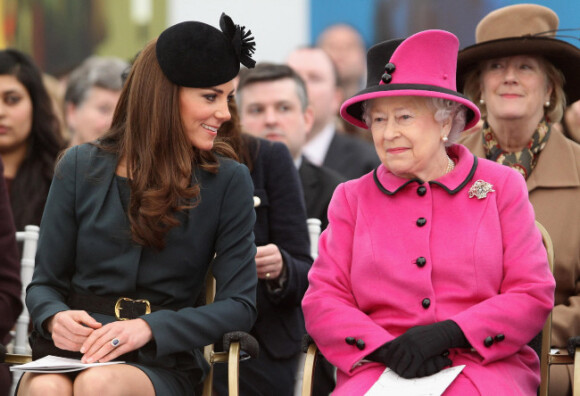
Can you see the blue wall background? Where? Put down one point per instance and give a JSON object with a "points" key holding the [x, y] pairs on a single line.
{"points": [[457, 16]]}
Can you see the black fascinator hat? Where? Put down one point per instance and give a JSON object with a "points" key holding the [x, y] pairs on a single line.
{"points": [[195, 54]]}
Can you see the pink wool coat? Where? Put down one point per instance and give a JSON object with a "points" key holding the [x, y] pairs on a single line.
{"points": [[398, 253]]}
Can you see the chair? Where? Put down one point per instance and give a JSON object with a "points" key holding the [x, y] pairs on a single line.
{"points": [[29, 238], [240, 345], [314, 231], [547, 358], [19, 344]]}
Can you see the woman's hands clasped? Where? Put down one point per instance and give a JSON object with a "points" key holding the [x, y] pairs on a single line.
{"points": [[421, 350], [78, 331]]}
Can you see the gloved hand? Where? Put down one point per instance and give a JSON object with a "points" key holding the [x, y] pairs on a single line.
{"points": [[433, 365], [407, 353], [430, 366], [573, 342]]}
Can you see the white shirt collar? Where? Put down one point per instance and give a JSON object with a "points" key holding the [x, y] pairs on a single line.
{"points": [[317, 147], [298, 162]]}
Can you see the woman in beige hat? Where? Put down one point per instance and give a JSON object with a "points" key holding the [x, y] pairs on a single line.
{"points": [[522, 78]]}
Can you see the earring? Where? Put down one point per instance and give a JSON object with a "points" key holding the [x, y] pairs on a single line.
{"points": [[547, 104], [481, 101], [445, 139]]}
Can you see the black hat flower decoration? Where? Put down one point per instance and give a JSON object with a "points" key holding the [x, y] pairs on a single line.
{"points": [[242, 40], [387, 76]]}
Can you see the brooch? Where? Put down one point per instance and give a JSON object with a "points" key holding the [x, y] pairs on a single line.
{"points": [[480, 189]]}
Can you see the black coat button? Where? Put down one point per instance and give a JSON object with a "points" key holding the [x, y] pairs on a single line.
{"points": [[421, 190], [421, 221], [421, 261], [500, 337], [426, 303], [360, 344], [350, 340], [488, 341]]}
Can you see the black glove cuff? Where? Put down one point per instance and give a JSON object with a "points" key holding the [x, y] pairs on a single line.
{"points": [[454, 334]]}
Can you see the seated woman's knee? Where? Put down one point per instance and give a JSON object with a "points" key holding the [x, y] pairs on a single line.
{"points": [[45, 385], [96, 381]]}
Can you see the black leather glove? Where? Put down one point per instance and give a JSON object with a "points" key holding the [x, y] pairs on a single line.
{"points": [[407, 353], [573, 342]]}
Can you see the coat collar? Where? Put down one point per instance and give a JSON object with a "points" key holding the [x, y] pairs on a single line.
{"points": [[453, 182], [555, 167]]}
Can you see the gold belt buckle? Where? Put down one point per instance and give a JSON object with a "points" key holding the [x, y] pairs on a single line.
{"points": [[118, 307]]}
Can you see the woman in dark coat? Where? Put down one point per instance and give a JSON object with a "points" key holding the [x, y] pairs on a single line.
{"points": [[10, 287], [30, 139], [134, 222]]}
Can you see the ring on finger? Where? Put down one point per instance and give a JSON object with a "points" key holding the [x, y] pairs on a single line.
{"points": [[115, 342], [267, 275]]}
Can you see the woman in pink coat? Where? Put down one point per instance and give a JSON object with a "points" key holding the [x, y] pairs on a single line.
{"points": [[433, 259]]}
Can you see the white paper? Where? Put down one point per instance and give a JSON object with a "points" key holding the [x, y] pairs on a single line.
{"points": [[55, 364], [390, 383]]}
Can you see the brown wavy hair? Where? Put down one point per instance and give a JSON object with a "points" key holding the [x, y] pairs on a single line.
{"points": [[147, 134]]}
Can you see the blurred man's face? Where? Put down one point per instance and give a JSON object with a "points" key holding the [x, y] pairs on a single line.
{"points": [[315, 68], [347, 50], [272, 110]]}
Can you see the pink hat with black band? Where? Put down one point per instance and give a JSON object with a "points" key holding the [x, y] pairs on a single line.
{"points": [[424, 64]]}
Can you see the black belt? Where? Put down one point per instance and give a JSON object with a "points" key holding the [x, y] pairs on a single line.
{"points": [[122, 308]]}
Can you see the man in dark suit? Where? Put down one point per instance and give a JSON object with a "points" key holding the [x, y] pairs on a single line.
{"points": [[274, 105], [350, 156]]}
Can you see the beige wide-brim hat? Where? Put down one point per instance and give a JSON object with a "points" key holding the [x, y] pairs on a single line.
{"points": [[522, 29]]}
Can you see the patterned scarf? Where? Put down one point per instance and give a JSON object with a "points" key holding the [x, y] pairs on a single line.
{"points": [[523, 161]]}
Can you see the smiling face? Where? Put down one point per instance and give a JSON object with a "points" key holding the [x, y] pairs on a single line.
{"points": [[514, 87], [407, 138], [15, 114], [203, 111]]}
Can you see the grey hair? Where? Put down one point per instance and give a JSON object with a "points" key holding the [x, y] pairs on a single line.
{"points": [[96, 71], [443, 110]]}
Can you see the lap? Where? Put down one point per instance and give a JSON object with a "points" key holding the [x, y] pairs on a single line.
{"points": [[118, 379]]}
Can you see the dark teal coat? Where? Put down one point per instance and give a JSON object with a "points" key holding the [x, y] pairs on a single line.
{"points": [[85, 246]]}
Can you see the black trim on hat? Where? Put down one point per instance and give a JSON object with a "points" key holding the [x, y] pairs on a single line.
{"points": [[355, 109]]}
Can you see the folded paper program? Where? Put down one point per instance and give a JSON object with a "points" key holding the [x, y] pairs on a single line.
{"points": [[55, 364]]}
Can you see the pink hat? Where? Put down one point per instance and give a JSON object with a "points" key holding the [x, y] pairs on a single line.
{"points": [[422, 65]]}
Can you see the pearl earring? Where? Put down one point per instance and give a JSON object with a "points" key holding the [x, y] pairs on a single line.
{"points": [[481, 101], [445, 139], [547, 104]]}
